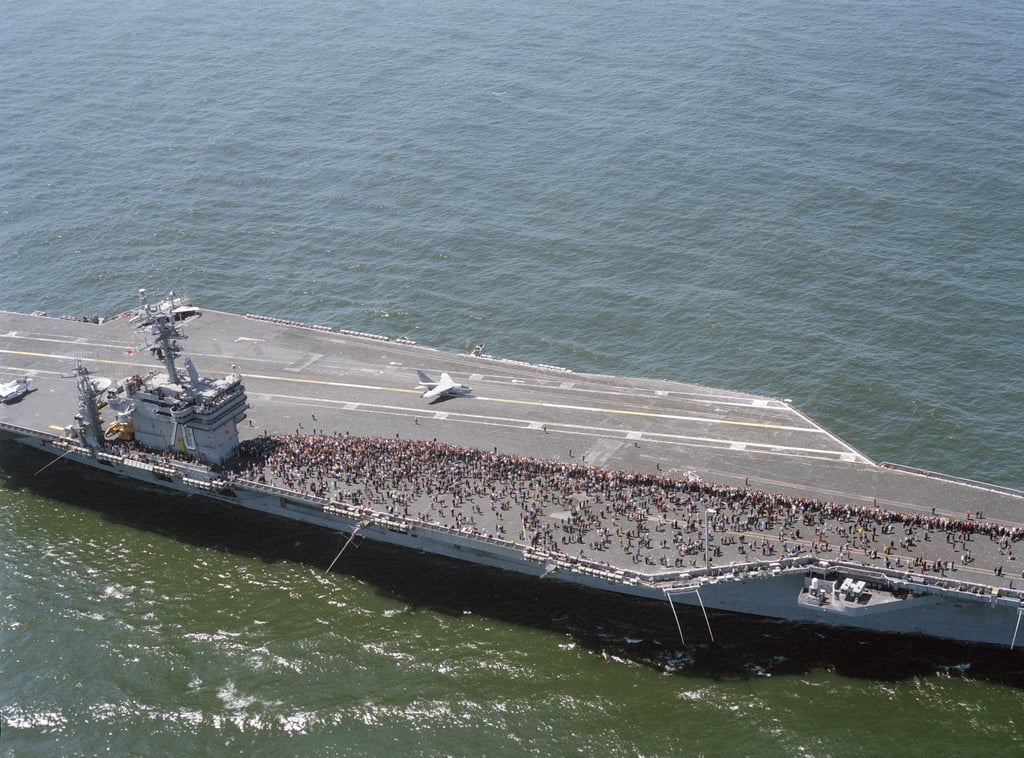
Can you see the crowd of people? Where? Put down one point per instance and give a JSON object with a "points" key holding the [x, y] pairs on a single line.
{"points": [[591, 512]]}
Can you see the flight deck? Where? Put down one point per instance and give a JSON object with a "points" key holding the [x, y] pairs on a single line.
{"points": [[304, 380]]}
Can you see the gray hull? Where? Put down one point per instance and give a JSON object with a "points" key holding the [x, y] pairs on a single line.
{"points": [[771, 590], [302, 380]]}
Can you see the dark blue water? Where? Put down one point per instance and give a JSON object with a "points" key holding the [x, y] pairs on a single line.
{"points": [[814, 201]]}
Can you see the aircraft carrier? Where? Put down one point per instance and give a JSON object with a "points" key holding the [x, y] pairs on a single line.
{"points": [[717, 500]]}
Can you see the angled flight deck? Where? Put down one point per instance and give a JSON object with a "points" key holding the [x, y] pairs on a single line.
{"points": [[300, 379]]}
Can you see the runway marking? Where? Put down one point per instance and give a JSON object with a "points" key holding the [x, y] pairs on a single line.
{"points": [[304, 362], [705, 396], [656, 437], [70, 358], [654, 414], [32, 355], [536, 403], [602, 451], [542, 404]]}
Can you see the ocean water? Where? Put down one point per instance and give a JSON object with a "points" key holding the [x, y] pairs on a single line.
{"points": [[817, 201]]}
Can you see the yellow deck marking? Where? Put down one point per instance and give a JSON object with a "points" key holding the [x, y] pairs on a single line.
{"points": [[538, 403], [69, 357], [625, 412]]}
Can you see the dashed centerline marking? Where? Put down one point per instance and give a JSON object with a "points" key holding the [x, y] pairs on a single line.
{"points": [[501, 421], [649, 414], [537, 403], [846, 455], [542, 404]]}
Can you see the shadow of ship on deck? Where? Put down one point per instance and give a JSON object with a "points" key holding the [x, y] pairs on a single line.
{"points": [[604, 623]]}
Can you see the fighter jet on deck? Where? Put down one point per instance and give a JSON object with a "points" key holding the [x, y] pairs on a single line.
{"points": [[443, 389], [11, 391]]}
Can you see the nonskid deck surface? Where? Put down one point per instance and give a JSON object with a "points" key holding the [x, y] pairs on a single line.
{"points": [[307, 381]]}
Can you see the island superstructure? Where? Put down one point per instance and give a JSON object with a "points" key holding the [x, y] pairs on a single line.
{"points": [[654, 489]]}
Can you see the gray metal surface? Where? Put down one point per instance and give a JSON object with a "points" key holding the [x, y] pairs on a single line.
{"points": [[303, 380]]}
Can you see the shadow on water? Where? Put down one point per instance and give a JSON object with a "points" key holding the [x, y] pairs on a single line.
{"points": [[607, 624]]}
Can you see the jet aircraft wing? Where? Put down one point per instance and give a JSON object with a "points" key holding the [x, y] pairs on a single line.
{"points": [[444, 388]]}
